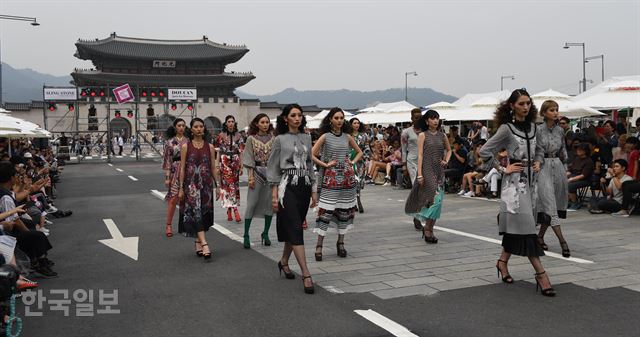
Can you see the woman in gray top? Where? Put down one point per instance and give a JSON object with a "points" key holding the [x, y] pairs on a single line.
{"points": [[517, 134], [551, 154], [290, 174]]}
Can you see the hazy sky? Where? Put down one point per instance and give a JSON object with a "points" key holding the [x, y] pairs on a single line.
{"points": [[456, 46]]}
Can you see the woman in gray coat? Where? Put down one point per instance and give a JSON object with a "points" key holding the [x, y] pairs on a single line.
{"points": [[517, 134], [551, 154]]}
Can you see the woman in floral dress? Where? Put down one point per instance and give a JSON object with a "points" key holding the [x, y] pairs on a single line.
{"points": [[197, 173], [171, 166], [229, 143]]}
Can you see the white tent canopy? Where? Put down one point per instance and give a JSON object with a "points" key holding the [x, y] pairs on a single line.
{"points": [[566, 106], [614, 93], [15, 128], [387, 113]]}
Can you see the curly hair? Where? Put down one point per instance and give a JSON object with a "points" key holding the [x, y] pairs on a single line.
{"points": [[253, 126], [503, 114], [360, 128], [326, 126], [281, 122], [171, 131]]}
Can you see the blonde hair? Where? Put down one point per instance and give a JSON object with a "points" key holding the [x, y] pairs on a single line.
{"points": [[546, 105]]}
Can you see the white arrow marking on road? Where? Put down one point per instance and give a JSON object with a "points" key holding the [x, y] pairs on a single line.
{"points": [[385, 323], [127, 246], [133, 178], [110, 164], [119, 170]]}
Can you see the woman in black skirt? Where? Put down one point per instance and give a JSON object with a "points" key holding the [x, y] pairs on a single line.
{"points": [[516, 223], [293, 186]]}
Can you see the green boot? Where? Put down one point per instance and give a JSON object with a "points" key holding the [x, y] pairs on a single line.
{"points": [[246, 243], [265, 233]]}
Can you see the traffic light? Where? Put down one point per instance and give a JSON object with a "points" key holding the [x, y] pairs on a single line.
{"points": [[130, 113], [117, 114], [174, 106], [71, 106], [190, 106], [52, 107]]}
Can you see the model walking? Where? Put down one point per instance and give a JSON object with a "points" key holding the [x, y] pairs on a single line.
{"points": [[198, 172], [254, 158], [361, 138], [516, 223], [229, 143], [337, 180], [425, 199], [551, 155], [290, 173], [175, 138], [409, 146]]}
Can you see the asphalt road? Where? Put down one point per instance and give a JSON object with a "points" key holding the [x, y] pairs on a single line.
{"points": [[168, 291]]}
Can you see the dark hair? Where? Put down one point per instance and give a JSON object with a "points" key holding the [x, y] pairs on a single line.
{"points": [[235, 125], [634, 141], [504, 114], [430, 114], [637, 120], [360, 128], [6, 171], [253, 126], [205, 136], [325, 125], [622, 163], [566, 119], [416, 111], [611, 124], [171, 131], [281, 122], [585, 147]]}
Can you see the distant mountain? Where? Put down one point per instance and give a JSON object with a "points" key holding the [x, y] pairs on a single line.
{"points": [[24, 85], [349, 99]]}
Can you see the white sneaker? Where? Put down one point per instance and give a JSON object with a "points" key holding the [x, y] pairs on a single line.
{"points": [[44, 230], [462, 192], [387, 183], [51, 209], [620, 214], [470, 194], [48, 223]]}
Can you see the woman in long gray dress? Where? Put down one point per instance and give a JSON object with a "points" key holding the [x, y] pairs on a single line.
{"points": [[425, 200], [516, 223], [254, 158], [551, 153]]}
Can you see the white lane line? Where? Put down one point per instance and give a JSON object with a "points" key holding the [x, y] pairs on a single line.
{"points": [[158, 194], [483, 238], [133, 178], [385, 323], [119, 170], [333, 289], [110, 164]]}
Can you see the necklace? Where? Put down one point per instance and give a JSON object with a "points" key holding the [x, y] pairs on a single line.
{"points": [[198, 145], [179, 138], [339, 133]]}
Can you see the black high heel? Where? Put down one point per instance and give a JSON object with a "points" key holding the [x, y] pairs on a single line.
{"points": [[549, 292], [429, 239], [206, 256], [290, 275], [308, 290], [565, 249], [318, 255], [542, 244], [505, 278], [265, 239], [198, 252], [340, 248]]}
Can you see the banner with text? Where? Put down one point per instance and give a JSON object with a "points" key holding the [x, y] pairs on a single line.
{"points": [[60, 94], [183, 94]]}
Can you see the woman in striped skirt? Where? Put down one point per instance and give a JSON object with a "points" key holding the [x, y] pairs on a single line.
{"points": [[337, 203]]}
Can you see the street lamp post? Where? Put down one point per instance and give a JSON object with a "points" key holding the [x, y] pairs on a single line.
{"points": [[502, 80], [584, 61], [33, 21], [594, 58], [406, 96]]}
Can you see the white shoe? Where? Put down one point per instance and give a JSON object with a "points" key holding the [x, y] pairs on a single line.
{"points": [[462, 192], [470, 194], [620, 214], [48, 223], [44, 230], [388, 183]]}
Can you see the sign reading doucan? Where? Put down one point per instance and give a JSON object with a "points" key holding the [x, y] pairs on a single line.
{"points": [[182, 94], [60, 94]]}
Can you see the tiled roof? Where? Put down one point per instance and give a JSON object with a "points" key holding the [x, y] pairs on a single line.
{"points": [[96, 77], [23, 106], [148, 49]]}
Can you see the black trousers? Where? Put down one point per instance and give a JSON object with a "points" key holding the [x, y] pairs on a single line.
{"points": [[609, 205], [629, 188]]}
